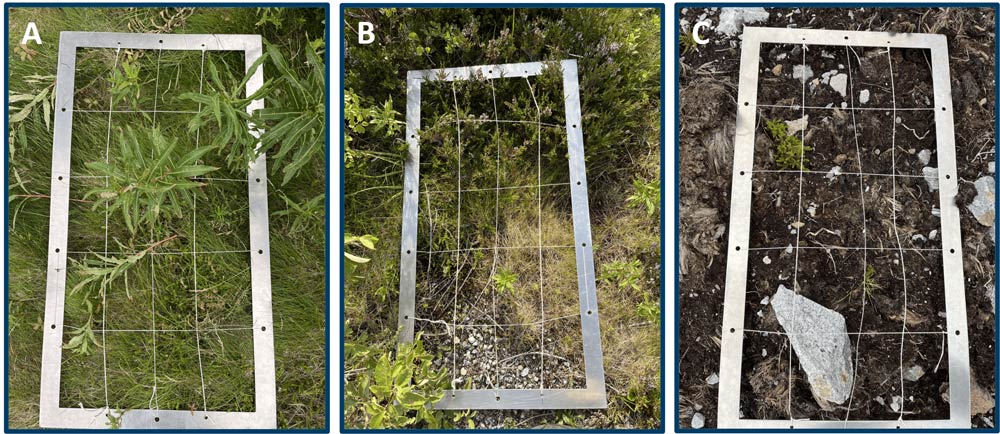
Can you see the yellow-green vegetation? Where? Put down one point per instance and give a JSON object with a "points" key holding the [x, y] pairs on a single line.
{"points": [[171, 186], [790, 153], [618, 55], [688, 43]]}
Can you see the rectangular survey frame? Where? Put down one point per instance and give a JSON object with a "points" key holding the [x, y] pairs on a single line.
{"points": [[594, 395], [730, 366], [51, 415]]}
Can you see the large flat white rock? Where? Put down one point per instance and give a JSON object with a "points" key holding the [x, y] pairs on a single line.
{"points": [[819, 338]]}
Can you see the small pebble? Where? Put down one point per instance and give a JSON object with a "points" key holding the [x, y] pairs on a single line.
{"points": [[698, 421], [712, 379]]}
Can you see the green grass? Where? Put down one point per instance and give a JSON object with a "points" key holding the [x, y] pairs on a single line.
{"points": [[618, 55], [220, 220]]}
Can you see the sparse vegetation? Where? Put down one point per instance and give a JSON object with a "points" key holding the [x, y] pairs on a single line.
{"points": [[617, 51], [789, 149]]}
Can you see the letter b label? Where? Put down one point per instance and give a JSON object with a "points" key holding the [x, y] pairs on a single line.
{"points": [[366, 35]]}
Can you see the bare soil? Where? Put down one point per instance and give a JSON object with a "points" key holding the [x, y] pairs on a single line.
{"points": [[852, 208]]}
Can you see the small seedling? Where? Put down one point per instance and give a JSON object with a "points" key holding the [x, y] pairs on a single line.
{"points": [[791, 151], [504, 281], [647, 195], [688, 43]]}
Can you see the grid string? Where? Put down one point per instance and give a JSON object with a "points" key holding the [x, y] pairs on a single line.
{"points": [[458, 264], [795, 268], [496, 232], [107, 214], [152, 239], [902, 259], [541, 275], [864, 231], [194, 247]]}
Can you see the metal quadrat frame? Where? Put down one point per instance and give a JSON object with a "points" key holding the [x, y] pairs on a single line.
{"points": [[730, 367], [594, 395], [51, 415]]}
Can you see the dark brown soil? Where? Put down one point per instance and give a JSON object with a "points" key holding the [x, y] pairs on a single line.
{"points": [[844, 221]]}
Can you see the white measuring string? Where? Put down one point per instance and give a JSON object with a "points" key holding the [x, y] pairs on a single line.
{"points": [[194, 247], [887, 175], [508, 121], [541, 277], [864, 232], [107, 213], [152, 239], [496, 235], [885, 109], [458, 238], [514, 187], [474, 249], [902, 260], [795, 269]]}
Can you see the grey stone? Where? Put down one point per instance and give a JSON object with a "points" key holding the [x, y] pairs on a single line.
{"points": [[864, 96], [931, 176], [819, 338], [839, 83], [698, 421], [731, 20], [924, 156], [913, 373], [982, 205], [801, 72]]}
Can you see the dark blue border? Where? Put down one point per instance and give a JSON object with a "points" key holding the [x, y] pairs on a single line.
{"points": [[677, 299], [663, 19], [6, 32]]}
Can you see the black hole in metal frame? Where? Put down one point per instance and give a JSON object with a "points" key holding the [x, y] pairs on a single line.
{"points": [[260, 251]]}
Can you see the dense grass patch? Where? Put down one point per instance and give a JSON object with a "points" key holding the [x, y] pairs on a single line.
{"points": [[209, 215]]}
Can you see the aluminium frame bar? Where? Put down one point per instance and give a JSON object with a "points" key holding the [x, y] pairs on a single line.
{"points": [[51, 415], [730, 366], [594, 395]]}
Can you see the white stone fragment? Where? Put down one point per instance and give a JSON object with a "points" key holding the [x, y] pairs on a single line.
{"points": [[767, 260], [833, 173], [797, 125], [712, 379], [732, 20], [698, 421], [839, 83], [802, 73], [982, 205], [819, 338], [931, 176], [765, 300], [864, 96], [932, 235], [913, 373], [897, 403], [924, 156]]}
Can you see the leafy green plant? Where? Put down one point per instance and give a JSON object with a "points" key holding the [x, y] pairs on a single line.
{"points": [[306, 214], [647, 195], [688, 43], [32, 100], [125, 82], [623, 274], [397, 390], [141, 186], [648, 310], [97, 274], [226, 108], [365, 241], [791, 152], [504, 281], [83, 337], [296, 122]]}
